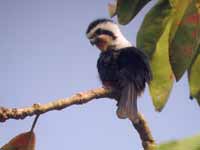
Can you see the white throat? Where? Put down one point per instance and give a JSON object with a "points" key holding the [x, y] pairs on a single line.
{"points": [[121, 42]]}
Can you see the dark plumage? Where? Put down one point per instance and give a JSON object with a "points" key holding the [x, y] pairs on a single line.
{"points": [[128, 70], [120, 65]]}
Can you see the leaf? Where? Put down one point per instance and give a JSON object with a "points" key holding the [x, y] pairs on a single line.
{"points": [[178, 11], [163, 79], [24, 141], [112, 9], [153, 39], [128, 9], [194, 78], [185, 41], [192, 143], [153, 27]]}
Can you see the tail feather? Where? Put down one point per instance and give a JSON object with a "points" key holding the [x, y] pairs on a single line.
{"points": [[122, 110], [128, 103]]}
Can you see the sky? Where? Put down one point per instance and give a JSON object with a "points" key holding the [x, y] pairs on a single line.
{"points": [[45, 55]]}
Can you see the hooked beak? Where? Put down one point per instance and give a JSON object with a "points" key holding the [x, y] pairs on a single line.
{"points": [[93, 41], [101, 41]]}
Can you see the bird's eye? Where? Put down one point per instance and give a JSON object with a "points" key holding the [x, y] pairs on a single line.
{"points": [[98, 32]]}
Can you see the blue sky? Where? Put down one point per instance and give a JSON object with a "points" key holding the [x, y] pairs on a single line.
{"points": [[44, 55]]}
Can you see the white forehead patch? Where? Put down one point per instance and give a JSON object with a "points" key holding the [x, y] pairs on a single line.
{"points": [[106, 26]]}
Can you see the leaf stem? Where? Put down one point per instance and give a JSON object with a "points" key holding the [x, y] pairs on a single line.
{"points": [[34, 122]]}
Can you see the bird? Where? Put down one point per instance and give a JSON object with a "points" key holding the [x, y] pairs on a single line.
{"points": [[120, 65]]}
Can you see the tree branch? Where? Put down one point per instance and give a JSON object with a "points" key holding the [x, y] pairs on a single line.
{"points": [[37, 109], [79, 98], [145, 134]]}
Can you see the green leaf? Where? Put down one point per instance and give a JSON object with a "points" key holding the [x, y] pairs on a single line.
{"points": [[194, 78], [153, 39], [163, 79], [185, 38], [153, 27], [178, 10], [23, 141], [128, 9], [192, 143]]}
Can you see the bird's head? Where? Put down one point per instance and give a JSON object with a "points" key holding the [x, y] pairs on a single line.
{"points": [[106, 35]]}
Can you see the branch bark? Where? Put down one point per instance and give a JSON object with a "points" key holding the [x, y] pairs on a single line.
{"points": [[144, 132], [79, 98]]}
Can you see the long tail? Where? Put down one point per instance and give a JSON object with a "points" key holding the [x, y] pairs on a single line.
{"points": [[128, 103]]}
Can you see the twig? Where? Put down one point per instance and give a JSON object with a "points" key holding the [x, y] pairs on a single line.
{"points": [[79, 98]]}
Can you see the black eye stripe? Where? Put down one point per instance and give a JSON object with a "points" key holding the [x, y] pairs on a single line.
{"points": [[107, 32]]}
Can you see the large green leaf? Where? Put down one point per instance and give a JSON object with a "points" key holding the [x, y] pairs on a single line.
{"points": [[185, 41], [192, 143], [163, 79], [153, 27], [153, 39], [194, 78], [128, 9]]}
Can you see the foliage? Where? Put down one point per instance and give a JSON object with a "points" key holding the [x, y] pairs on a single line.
{"points": [[194, 78], [170, 36], [192, 143], [163, 79], [23, 141]]}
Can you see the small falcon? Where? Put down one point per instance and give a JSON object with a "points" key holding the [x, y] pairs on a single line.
{"points": [[120, 65]]}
